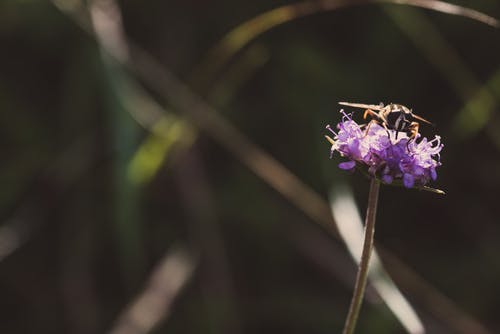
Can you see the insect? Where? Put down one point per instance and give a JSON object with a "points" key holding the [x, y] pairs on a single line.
{"points": [[392, 116]]}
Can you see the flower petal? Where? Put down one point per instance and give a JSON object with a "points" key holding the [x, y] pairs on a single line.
{"points": [[348, 165], [433, 174], [387, 179], [379, 152], [408, 180], [354, 148]]}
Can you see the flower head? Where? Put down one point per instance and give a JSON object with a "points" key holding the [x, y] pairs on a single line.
{"points": [[387, 154]]}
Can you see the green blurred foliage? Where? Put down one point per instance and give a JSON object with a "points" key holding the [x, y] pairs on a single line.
{"points": [[95, 199]]}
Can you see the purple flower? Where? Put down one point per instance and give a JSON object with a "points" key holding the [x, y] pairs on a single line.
{"points": [[412, 161]]}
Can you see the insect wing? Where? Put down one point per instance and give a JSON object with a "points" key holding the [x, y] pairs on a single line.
{"points": [[361, 105]]}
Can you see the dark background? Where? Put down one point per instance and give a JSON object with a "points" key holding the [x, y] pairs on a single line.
{"points": [[92, 199]]}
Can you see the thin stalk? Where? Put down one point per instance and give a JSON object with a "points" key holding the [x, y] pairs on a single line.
{"points": [[359, 288]]}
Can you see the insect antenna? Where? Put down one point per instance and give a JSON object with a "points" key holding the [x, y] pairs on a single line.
{"points": [[422, 119]]}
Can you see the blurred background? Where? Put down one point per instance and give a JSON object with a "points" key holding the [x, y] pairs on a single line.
{"points": [[164, 168]]}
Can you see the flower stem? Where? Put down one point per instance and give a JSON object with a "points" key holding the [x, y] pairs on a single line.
{"points": [[359, 288]]}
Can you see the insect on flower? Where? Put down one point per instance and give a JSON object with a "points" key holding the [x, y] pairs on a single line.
{"points": [[372, 149], [392, 116]]}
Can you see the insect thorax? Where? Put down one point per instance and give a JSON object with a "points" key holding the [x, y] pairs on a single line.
{"points": [[398, 117]]}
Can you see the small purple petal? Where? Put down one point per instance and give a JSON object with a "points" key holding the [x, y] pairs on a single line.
{"points": [[348, 165], [433, 174], [418, 171], [414, 162], [354, 148], [387, 179], [408, 180]]}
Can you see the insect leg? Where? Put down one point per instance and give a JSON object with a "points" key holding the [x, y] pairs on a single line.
{"points": [[372, 113], [413, 130], [370, 124], [388, 132]]}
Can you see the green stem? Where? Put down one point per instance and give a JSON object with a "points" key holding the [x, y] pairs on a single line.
{"points": [[359, 288]]}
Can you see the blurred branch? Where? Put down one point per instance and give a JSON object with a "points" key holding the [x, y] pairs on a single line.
{"points": [[82, 311], [484, 103], [106, 18], [250, 155], [479, 101], [350, 225], [106, 21], [237, 73], [158, 78], [166, 137], [249, 30], [205, 233], [168, 132], [270, 170], [63, 172], [434, 301], [329, 256], [437, 50], [154, 304]]}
